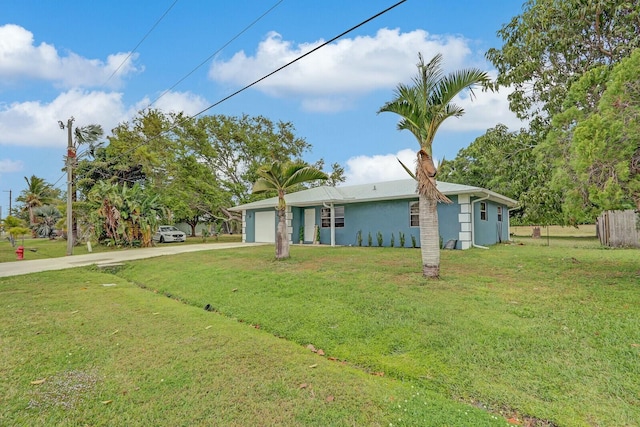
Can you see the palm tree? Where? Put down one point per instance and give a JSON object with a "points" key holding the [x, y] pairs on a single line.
{"points": [[282, 178], [85, 135], [38, 193], [423, 107], [47, 216]]}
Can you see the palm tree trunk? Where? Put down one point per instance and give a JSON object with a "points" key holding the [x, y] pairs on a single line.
{"points": [[429, 237], [282, 241]]}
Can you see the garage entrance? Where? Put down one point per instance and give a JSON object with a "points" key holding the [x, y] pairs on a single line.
{"points": [[265, 227]]}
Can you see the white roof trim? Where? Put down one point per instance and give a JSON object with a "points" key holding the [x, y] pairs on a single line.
{"points": [[387, 190]]}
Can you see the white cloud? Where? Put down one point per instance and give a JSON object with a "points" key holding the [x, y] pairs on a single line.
{"points": [[378, 168], [348, 67], [174, 102], [21, 59], [484, 111], [35, 124], [9, 166]]}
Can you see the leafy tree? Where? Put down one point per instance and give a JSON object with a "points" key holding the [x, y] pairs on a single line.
{"points": [[236, 147], [423, 107], [15, 227], [281, 177], [502, 161], [599, 146], [553, 43], [195, 194], [38, 193]]}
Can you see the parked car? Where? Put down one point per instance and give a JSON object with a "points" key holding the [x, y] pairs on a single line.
{"points": [[169, 233]]}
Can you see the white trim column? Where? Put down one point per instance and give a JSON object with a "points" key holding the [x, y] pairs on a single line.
{"points": [[464, 219], [289, 217], [244, 226]]}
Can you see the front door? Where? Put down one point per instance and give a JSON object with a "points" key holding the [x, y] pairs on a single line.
{"points": [[309, 224]]}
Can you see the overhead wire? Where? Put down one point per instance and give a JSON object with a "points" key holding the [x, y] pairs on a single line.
{"points": [[123, 154], [300, 57], [216, 52], [140, 42]]}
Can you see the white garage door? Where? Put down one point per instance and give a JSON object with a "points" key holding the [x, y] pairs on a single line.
{"points": [[266, 227]]}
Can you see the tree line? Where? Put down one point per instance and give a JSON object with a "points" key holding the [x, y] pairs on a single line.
{"points": [[165, 167]]}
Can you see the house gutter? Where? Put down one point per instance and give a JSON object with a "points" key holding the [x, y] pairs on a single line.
{"points": [[333, 221], [509, 222], [473, 225]]}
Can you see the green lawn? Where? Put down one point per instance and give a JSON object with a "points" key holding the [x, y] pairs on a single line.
{"points": [[547, 335]]}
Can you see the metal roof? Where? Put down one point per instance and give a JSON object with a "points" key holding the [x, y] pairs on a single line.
{"points": [[387, 190]]}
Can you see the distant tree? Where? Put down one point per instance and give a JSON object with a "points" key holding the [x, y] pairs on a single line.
{"points": [[423, 107], [281, 178], [15, 227]]}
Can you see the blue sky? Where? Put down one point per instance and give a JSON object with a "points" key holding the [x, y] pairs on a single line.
{"points": [[57, 60]]}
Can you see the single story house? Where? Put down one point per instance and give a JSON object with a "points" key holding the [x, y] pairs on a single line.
{"points": [[348, 214]]}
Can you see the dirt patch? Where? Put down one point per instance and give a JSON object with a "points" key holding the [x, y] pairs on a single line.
{"points": [[65, 390]]}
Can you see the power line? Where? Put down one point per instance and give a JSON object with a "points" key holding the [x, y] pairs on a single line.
{"points": [[140, 42], [216, 52], [300, 57], [261, 79]]}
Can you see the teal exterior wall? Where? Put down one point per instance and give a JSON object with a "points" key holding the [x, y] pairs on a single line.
{"points": [[490, 231], [386, 217], [393, 216]]}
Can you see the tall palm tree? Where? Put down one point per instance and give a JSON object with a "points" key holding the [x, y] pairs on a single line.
{"points": [[423, 107], [38, 193], [85, 135], [282, 178]]}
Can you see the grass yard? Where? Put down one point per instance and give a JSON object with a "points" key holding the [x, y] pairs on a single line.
{"points": [[523, 333]]}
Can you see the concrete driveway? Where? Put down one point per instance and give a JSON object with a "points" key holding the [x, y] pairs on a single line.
{"points": [[17, 268]]}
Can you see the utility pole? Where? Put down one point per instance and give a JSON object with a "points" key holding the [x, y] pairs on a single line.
{"points": [[9, 191], [71, 155]]}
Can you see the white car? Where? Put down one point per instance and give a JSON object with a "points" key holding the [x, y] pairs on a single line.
{"points": [[169, 233]]}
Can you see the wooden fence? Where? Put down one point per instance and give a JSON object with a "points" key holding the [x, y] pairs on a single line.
{"points": [[619, 228]]}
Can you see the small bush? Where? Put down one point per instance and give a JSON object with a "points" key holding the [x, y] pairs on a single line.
{"points": [[401, 236], [393, 240], [414, 244], [359, 238], [379, 237], [369, 240]]}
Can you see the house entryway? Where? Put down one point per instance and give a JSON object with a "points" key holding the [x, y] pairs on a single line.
{"points": [[309, 224]]}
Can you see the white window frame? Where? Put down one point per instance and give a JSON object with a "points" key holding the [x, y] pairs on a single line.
{"points": [[484, 214], [414, 216], [325, 217], [499, 213]]}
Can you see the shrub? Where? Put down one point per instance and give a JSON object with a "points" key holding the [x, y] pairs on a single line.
{"points": [[359, 237], [401, 236], [369, 240], [393, 240], [379, 237], [414, 244]]}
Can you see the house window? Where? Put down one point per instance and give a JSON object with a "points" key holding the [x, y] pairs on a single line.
{"points": [[414, 214], [325, 215], [483, 211], [499, 213]]}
